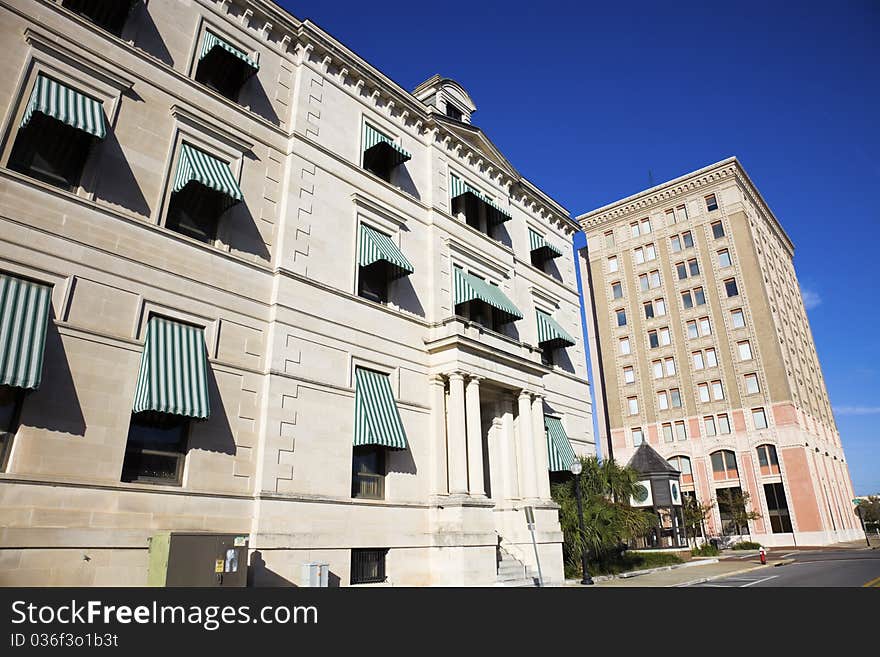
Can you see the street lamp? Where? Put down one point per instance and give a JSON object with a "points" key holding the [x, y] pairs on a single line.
{"points": [[576, 468]]}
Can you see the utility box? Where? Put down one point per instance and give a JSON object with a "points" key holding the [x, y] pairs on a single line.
{"points": [[316, 574], [198, 559]]}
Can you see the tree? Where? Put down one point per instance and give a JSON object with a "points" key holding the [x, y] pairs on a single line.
{"points": [[734, 503], [606, 489], [870, 510], [695, 514]]}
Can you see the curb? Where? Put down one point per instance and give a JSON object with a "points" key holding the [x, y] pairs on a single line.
{"points": [[732, 573], [637, 573]]}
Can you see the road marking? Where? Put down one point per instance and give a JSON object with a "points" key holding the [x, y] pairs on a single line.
{"points": [[785, 556], [758, 581], [874, 583]]}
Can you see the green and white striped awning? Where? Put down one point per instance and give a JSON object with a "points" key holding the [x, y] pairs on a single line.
{"points": [[64, 104], [213, 41], [396, 153], [495, 213], [376, 418], [376, 246], [559, 450], [24, 315], [197, 166], [470, 288], [174, 370], [537, 242], [549, 331]]}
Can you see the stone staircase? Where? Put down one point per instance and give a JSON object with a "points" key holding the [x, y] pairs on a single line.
{"points": [[512, 571]]}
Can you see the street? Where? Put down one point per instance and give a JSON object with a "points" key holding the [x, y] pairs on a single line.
{"points": [[812, 568]]}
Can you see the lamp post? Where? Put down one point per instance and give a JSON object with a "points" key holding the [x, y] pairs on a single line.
{"points": [[576, 468]]}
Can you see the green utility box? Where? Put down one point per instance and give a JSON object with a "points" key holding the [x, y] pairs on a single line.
{"points": [[199, 559]]}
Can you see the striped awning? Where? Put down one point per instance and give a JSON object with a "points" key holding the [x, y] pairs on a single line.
{"points": [[197, 166], [495, 213], [373, 139], [470, 288], [538, 243], [24, 315], [549, 331], [559, 450], [376, 418], [174, 370], [64, 104], [213, 41], [376, 246]]}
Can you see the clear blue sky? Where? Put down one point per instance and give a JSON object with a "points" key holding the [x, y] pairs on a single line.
{"points": [[586, 98]]}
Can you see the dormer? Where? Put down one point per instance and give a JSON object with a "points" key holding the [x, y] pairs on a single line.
{"points": [[447, 97]]}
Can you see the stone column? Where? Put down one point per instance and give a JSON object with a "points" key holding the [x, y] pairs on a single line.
{"points": [[542, 459], [507, 454], [439, 480], [529, 485], [476, 485], [456, 439]]}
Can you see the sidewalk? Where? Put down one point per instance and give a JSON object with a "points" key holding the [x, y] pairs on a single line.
{"points": [[693, 575]]}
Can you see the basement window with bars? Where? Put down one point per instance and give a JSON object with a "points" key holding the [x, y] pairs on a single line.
{"points": [[368, 472], [224, 67], [368, 565], [110, 15]]}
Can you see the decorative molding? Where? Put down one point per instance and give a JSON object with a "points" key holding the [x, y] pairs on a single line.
{"points": [[236, 140]]}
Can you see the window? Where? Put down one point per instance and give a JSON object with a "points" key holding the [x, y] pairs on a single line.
{"points": [[632, 404], [657, 369], [698, 360], [609, 239], [687, 239], [683, 465], [109, 15], [680, 431], [728, 498], [643, 282], [675, 397], [711, 358], [703, 390], [662, 400], [639, 255], [665, 339], [368, 566], [730, 287], [373, 284], [621, 317], [368, 472], [768, 460], [717, 230], [616, 290], [759, 418], [655, 278], [724, 465], [745, 350], [705, 326], [777, 507], [670, 217], [646, 226], [653, 340], [10, 411], [637, 436], [453, 112], [723, 424], [156, 448], [686, 299], [670, 366], [629, 375], [675, 244], [54, 138], [692, 330], [612, 264], [624, 346], [711, 203], [224, 67], [649, 310], [724, 258], [634, 229], [699, 296], [659, 307], [681, 270], [667, 433], [709, 425], [650, 252], [717, 391], [693, 267]]}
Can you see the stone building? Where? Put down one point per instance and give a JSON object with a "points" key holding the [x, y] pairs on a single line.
{"points": [[251, 285], [704, 351]]}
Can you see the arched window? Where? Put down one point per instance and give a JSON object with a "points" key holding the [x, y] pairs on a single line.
{"points": [[683, 465], [767, 460], [724, 465]]}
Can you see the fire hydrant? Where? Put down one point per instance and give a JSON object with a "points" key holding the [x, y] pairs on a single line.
{"points": [[763, 556]]}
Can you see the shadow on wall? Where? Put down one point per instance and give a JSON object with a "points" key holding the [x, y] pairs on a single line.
{"points": [[406, 297], [141, 29], [551, 269], [214, 434], [240, 231], [401, 461], [404, 181], [499, 232], [253, 95], [54, 406], [563, 361], [261, 576]]}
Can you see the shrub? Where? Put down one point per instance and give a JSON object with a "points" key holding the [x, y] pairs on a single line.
{"points": [[705, 550], [746, 545]]}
